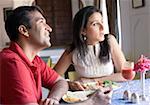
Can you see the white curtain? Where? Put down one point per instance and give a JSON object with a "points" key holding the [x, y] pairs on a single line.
{"points": [[105, 16]]}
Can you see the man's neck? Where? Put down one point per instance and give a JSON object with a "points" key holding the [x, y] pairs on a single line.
{"points": [[30, 54], [29, 51]]}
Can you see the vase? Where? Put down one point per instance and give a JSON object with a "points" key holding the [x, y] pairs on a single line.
{"points": [[142, 79]]}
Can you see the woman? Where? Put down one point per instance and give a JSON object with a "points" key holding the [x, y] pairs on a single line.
{"points": [[92, 53]]}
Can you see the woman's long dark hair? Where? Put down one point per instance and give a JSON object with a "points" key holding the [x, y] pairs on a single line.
{"points": [[79, 23]]}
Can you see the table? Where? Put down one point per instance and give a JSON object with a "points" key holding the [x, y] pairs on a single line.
{"points": [[135, 86], [117, 95]]}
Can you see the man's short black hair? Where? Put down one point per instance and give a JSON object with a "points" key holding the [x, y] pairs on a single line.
{"points": [[19, 16]]}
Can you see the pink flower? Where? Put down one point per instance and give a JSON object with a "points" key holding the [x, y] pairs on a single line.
{"points": [[142, 65]]}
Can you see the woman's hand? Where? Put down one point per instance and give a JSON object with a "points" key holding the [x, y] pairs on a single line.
{"points": [[76, 85]]}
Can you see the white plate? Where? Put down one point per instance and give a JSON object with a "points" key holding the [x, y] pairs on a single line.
{"points": [[116, 87]]}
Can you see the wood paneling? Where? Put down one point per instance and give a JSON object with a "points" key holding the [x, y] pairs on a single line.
{"points": [[59, 16]]}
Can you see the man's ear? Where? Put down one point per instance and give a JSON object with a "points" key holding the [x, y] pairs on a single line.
{"points": [[23, 30]]}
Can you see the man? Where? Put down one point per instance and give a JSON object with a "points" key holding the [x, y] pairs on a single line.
{"points": [[22, 72]]}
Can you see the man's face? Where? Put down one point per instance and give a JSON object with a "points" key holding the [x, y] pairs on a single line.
{"points": [[39, 33]]}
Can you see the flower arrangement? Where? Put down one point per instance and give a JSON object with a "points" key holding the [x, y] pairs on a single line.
{"points": [[142, 65]]}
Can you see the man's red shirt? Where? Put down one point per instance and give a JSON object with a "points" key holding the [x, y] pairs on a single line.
{"points": [[21, 81]]}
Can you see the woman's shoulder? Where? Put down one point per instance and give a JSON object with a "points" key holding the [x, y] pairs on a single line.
{"points": [[111, 36]]}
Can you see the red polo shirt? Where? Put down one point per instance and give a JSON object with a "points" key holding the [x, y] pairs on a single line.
{"points": [[21, 81]]}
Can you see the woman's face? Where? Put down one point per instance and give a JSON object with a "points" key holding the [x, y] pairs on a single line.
{"points": [[94, 30]]}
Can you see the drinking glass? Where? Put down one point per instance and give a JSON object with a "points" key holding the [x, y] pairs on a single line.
{"points": [[127, 71]]}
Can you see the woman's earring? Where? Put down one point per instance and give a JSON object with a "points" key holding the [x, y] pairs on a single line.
{"points": [[84, 37]]}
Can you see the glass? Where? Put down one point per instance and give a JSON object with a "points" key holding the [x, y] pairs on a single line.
{"points": [[127, 71]]}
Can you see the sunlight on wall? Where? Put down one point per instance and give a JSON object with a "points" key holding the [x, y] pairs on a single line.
{"points": [[17, 3], [105, 17]]}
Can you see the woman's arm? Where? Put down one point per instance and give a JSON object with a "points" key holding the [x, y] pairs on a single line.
{"points": [[63, 63], [116, 53], [116, 77]]}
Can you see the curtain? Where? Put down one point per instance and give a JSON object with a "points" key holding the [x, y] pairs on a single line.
{"points": [[112, 17]]}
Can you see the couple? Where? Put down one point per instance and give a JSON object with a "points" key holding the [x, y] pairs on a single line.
{"points": [[22, 72]]}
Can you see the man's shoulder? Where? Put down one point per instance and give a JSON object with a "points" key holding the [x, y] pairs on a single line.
{"points": [[7, 54]]}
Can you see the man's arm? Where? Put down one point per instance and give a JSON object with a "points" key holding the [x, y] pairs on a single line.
{"points": [[59, 88], [98, 98]]}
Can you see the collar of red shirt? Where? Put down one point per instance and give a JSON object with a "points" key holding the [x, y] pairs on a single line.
{"points": [[17, 49]]}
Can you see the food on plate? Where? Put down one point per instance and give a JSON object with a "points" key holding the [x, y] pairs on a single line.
{"points": [[101, 84], [112, 84], [92, 85], [109, 83], [71, 97]]}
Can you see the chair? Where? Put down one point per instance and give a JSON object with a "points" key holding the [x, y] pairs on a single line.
{"points": [[71, 74]]}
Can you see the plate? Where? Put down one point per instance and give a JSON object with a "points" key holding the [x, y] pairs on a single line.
{"points": [[112, 84], [116, 87], [72, 97], [106, 83]]}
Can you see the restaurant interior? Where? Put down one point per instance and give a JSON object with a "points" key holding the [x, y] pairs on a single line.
{"points": [[128, 20]]}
